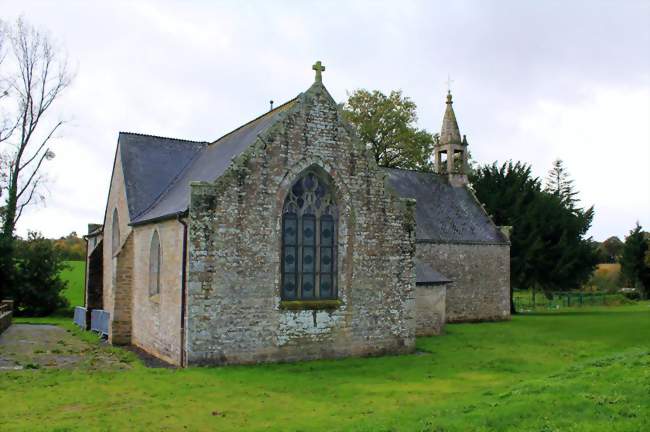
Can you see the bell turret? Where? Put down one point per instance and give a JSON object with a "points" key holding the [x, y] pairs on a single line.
{"points": [[451, 150]]}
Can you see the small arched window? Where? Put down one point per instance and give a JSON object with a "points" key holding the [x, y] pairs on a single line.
{"points": [[155, 259], [115, 233], [309, 227]]}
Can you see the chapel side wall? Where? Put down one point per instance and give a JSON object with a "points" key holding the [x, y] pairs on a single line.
{"points": [[156, 319], [234, 311], [480, 290], [116, 199]]}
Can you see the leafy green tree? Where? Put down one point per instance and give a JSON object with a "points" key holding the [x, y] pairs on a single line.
{"points": [[72, 247], [38, 287], [611, 249], [387, 125], [549, 250], [567, 258], [634, 265], [508, 192]]}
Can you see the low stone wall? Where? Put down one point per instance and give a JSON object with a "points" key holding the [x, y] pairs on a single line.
{"points": [[430, 309], [6, 314]]}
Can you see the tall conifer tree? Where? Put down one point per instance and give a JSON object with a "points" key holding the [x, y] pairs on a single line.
{"points": [[634, 266]]}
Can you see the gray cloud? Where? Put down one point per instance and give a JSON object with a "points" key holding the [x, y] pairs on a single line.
{"points": [[533, 81]]}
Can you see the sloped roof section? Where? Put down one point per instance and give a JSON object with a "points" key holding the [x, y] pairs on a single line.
{"points": [[444, 213], [150, 163], [426, 275], [210, 163]]}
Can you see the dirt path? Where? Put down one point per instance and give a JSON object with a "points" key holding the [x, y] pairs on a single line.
{"points": [[30, 346]]}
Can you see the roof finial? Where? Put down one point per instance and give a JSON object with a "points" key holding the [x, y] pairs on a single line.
{"points": [[449, 81], [319, 68], [449, 134], [271, 105]]}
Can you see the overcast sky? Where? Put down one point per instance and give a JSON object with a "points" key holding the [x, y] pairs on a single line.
{"points": [[532, 81]]}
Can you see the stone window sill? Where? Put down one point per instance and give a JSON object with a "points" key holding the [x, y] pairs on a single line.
{"points": [[310, 304]]}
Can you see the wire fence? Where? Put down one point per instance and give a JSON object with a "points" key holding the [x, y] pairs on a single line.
{"points": [[526, 301]]}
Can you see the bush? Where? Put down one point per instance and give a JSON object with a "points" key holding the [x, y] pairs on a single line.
{"points": [[632, 295], [6, 267], [38, 287]]}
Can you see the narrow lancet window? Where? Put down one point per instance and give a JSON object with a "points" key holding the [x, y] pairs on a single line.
{"points": [[155, 258], [309, 226], [115, 234]]}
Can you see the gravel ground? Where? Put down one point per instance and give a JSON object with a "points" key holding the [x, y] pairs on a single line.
{"points": [[31, 346]]}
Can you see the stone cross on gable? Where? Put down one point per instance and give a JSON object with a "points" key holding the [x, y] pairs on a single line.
{"points": [[319, 68], [449, 81]]}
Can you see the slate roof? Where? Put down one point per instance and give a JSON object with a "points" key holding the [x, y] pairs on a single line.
{"points": [[426, 275], [443, 213], [150, 164], [158, 172], [172, 173]]}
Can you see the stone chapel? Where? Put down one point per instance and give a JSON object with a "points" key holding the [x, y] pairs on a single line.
{"points": [[283, 240]]}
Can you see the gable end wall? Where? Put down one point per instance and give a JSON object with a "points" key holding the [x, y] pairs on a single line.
{"points": [[234, 313]]}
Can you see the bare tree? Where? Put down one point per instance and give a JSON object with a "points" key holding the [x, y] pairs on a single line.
{"points": [[6, 126], [37, 76]]}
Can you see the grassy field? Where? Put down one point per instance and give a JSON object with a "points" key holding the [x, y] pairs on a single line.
{"points": [[75, 275], [582, 369]]}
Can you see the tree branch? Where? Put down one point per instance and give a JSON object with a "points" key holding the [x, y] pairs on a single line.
{"points": [[29, 199], [47, 138], [31, 177]]}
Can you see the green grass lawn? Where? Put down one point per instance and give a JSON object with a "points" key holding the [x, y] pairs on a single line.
{"points": [[584, 369], [75, 276]]}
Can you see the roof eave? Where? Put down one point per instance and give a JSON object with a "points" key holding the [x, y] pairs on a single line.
{"points": [[461, 242], [162, 218], [443, 282]]}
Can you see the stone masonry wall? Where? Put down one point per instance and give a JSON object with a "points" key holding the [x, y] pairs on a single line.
{"points": [[156, 319], [119, 332], [234, 307], [430, 309], [116, 200], [481, 275]]}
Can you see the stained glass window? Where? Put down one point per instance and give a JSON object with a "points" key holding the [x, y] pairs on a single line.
{"points": [[309, 240]]}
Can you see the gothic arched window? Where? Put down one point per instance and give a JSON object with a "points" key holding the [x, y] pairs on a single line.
{"points": [[155, 259], [115, 234], [309, 227]]}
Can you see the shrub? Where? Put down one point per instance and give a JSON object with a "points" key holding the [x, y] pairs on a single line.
{"points": [[632, 295], [38, 287]]}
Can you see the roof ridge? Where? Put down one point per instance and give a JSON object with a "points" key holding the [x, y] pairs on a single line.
{"points": [[409, 170], [163, 137], [254, 120]]}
